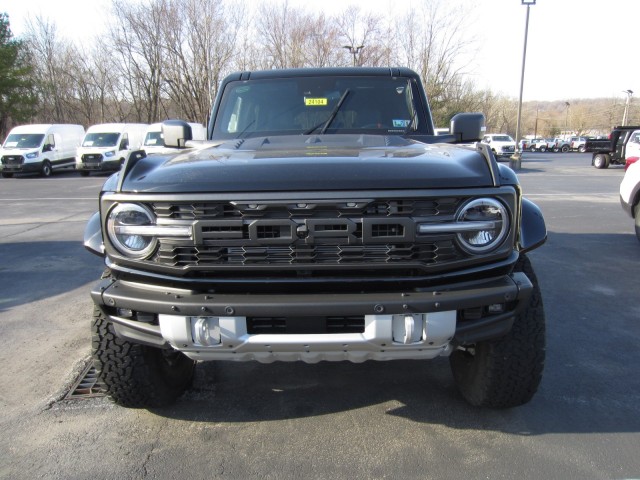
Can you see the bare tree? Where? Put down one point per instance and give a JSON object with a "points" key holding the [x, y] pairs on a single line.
{"points": [[434, 43], [138, 41], [362, 29], [49, 51], [200, 42]]}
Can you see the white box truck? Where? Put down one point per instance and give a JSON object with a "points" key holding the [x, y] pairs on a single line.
{"points": [[154, 141], [40, 148], [107, 146]]}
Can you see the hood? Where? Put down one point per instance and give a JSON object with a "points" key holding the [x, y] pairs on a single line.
{"points": [[308, 163]]}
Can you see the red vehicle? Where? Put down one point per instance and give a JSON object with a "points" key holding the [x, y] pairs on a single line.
{"points": [[629, 161]]}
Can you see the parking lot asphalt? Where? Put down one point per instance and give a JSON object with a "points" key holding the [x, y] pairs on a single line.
{"points": [[400, 419]]}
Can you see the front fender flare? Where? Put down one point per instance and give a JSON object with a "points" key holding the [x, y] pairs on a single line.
{"points": [[93, 236], [533, 230]]}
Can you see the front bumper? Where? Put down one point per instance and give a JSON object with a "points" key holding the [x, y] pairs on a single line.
{"points": [[26, 167], [416, 324], [102, 166]]}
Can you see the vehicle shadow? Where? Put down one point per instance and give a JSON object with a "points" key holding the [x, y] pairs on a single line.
{"points": [[31, 271]]}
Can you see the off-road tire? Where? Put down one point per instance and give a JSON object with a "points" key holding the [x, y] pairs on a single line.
{"points": [[543, 149], [137, 376], [582, 149], [505, 373], [565, 148]]}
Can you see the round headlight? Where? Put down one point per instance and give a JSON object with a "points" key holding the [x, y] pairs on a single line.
{"points": [[122, 228], [487, 224]]}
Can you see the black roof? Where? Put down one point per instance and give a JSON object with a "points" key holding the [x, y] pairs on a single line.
{"points": [[325, 72]]}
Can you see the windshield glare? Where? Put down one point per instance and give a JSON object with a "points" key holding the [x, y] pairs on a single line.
{"points": [[100, 139], [24, 140], [305, 105]]}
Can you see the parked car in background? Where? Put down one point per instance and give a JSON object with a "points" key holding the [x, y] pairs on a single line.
{"points": [[630, 194], [502, 145], [40, 148], [107, 146], [613, 150], [561, 145], [524, 144], [578, 144], [541, 144]]}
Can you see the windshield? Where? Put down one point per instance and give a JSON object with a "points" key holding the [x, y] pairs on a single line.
{"points": [[24, 140], [101, 139], [502, 138], [154, 139], [322, 105]]}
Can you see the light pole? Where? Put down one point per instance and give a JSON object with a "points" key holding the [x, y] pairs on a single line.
{"points": [[566, 118], [354, 51], [626, 106], [517, 156]]}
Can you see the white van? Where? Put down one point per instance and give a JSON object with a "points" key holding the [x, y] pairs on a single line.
{"points": [[40, 148], [107, 146], [154, 142]]}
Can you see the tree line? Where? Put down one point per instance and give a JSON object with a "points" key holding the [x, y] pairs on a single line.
{"points": [[164, 59]]}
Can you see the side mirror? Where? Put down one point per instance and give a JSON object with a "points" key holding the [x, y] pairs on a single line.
{"points": [[468, 127], [176, 133]]}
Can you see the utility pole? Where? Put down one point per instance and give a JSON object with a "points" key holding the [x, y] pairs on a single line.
{"points": [[354, 51], [626, 106], [517, 156]]}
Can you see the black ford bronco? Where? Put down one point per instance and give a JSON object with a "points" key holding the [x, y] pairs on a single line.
{"points": [[323, 219]]}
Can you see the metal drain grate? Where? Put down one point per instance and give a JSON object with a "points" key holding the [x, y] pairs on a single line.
{"points": [[87, 385]]}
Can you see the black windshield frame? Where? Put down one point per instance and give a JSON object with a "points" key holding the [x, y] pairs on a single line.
{"points": [[384, 105]]}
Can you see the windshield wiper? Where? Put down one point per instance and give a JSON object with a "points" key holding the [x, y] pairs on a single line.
{"points": [[332, 116], [414, 116]]}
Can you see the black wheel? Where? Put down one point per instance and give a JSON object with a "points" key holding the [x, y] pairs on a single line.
{"points": [[7, 174], [543, 149], [582, 149], [84, 173], [532, 148], [46, 169], [506, 372], [556, 149], [136, 375], [601, 160], [565, 148]]}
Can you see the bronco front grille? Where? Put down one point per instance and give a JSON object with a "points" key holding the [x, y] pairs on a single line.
{"points": [[202, 256], [231, 210], [345, 232], [310, 236]]}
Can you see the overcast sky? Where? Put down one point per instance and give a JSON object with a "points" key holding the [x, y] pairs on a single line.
{"points": [[576, 48]]}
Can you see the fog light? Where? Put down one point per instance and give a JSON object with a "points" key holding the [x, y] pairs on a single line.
{"points": [[407, 328], [496, 308], [125, 312], [205, 331]]}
